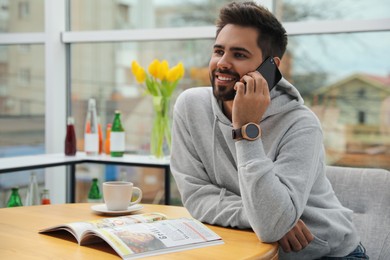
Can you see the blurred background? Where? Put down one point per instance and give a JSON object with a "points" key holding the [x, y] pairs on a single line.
{"points": [[337, 57]]}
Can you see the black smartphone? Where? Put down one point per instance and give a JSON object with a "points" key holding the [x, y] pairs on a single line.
{"points": [[270, 72]]}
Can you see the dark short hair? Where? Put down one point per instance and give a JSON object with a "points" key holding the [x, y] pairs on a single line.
{"points": [[272, 38]]}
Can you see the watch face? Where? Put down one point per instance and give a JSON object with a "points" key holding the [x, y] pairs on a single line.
{"points": [[252, 131]]}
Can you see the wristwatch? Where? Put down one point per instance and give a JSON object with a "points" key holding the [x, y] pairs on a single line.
{"points": [[250, 131]]}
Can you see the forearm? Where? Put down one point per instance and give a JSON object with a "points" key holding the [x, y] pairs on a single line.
{"points": [[208, 202], [275, 193]]}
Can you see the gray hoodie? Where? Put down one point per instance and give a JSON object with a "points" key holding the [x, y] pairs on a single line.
{"points": [[267, 184]]}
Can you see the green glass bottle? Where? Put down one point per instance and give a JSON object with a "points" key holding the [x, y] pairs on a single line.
{"points": [[94, 195], [14, 199], [117, 137]]}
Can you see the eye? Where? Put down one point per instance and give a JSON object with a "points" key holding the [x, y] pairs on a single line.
{"points": [[240, 55], [218, 52]]}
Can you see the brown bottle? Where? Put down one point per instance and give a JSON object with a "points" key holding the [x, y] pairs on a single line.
{"points": [[70, 139]]}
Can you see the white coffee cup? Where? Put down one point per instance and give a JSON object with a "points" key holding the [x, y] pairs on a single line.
{"points": [[118, 194]]}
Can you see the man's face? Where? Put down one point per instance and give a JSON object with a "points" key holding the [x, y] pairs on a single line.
{"points": [[235, 53]]}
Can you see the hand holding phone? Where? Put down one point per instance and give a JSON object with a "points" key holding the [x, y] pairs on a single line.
{"points": [[270, 72], [251, 107]]}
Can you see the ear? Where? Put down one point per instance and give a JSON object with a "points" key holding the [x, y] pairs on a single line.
{"points": [[277, 61]]}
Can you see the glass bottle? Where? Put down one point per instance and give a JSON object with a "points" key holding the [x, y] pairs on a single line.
{"points": [[91, 137], [14, 200], [100, 134], [45, 198], [94, 195], [117, 137], [70, 139], [107, 141], [32, 197]]}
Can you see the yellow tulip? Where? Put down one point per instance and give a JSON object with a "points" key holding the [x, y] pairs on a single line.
{"points": [[154, 68], [163, 70], [138, 71], [181, 69], [141, 75], [175, 73], [134, 67]]}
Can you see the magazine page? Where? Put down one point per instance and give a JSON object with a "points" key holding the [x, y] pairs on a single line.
{"points": [[78, 228], [146, 239]]}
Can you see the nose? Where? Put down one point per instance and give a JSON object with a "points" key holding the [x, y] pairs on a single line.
{"points": [[224, 62]]}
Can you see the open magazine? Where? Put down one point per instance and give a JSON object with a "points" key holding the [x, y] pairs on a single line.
{"points": [[142, 235]]}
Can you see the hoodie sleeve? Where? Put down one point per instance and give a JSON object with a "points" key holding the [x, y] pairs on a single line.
{"points": [[275, 193], [205, 200]]}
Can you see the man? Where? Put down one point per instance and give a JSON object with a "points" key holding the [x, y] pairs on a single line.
{"points": [[274, 180]]}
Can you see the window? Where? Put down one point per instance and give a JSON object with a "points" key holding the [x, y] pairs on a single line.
{"points": [[24, 77], [97, 71], [361, 93], [22, 16], [113, 15], [22, 111], [343, 77], [123, 16], [361, 117], [310, 10], [23, 10]]}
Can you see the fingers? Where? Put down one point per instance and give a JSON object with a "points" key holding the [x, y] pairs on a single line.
{"points": [[297, 238], [305, 231], [284, 244], [290, 242], [240, 88], [255, 83], [250, 84]]}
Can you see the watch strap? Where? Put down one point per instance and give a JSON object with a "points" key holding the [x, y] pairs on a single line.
{"points": [[237, 134]]}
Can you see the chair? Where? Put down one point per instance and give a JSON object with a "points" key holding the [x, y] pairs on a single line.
{"points": [[367, 193]]}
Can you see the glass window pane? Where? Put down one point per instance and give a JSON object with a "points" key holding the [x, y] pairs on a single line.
{"points": [[137, 14], [22, 16], [304, 10], [22, 99], [102, 71], [335, 73], [22, 111], [345, 80]]}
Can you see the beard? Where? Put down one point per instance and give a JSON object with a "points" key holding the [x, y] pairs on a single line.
{"points": [[224, 92]]}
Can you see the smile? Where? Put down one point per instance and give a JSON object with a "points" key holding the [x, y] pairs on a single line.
{"points": [[225, 78]]}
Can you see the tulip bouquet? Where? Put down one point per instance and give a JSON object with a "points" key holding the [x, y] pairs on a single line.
{"points": [[160, 81]]}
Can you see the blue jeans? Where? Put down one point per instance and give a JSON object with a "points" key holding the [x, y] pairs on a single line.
{"points": [[358, 253]]}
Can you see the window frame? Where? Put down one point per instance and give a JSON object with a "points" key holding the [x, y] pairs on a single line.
{"points": [[57, 39]]}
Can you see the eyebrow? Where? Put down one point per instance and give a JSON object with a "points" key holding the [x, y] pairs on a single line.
{"points": [[219, 46]]}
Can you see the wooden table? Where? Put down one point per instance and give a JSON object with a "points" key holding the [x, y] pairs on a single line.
{"points": [[19, 237], [30, 162]]}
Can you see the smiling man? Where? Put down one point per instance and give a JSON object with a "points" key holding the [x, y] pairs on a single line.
{"points": [[271, 176]]}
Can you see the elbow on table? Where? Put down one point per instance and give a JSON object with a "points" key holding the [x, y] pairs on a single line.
{"points": [[268, 236], [270, 233]]}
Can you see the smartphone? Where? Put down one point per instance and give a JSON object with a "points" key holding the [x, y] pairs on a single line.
{"points": [[270, 72]]}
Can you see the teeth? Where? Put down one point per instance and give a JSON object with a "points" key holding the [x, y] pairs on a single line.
{"points": [[224, 78]]}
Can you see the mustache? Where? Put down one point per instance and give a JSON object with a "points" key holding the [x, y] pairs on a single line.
{"points": [[228, 72]]}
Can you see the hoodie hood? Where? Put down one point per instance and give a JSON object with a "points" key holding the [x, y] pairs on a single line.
{"points": [[284, 97]]}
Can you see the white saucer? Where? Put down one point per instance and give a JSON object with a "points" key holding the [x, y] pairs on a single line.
{"points": [[102, 209]]}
